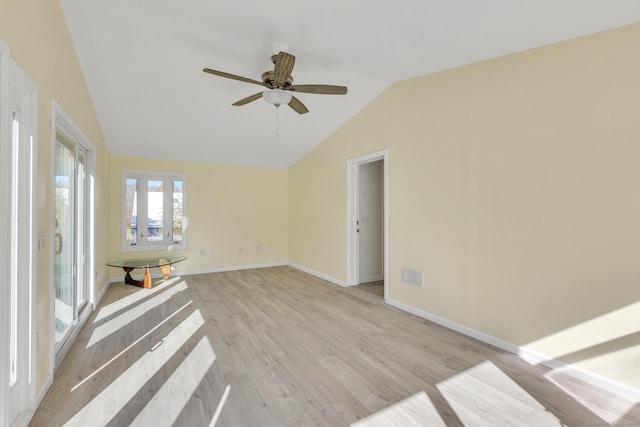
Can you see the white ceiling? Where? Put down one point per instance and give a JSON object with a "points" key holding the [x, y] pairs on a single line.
{"points": [[143, 62]]}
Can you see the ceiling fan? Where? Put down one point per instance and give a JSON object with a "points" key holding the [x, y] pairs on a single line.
{"points": [[279, 84]]}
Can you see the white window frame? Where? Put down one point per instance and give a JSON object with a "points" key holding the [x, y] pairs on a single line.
{"points": [[142, 244]]}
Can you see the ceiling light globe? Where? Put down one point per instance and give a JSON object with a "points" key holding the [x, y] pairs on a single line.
{"points": [[276, 97]]}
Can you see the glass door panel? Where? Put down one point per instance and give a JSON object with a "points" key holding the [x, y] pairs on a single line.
{"points": [[81, 250], [64, 237]]}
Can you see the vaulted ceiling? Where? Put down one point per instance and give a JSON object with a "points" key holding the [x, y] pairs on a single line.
{"points": [[143, 62]]}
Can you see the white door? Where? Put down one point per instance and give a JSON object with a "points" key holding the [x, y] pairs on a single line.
{"points": [[21, 398], [371, 222]]}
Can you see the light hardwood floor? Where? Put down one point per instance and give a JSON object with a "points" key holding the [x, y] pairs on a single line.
{"points": [[278, 347]]}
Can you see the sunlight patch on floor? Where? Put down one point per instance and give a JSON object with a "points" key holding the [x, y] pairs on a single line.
{"points": [[414, 411], [608, 414], [119, 392], [223, 400], [133, 344], [125, 302], [167, 404], [485, 396], [122, 320]]}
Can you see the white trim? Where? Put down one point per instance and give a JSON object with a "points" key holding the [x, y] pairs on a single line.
{"points": [[25, 257], [23, 419], [103, 292], [527, 354], [371, 279], [231, 268], [73, 334], [5, 220], [317, 274], [352, 215], [116, 279], [244, 267], [43, 391]]}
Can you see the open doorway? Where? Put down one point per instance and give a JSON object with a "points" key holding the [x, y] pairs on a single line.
{"points": [[367, 222]]}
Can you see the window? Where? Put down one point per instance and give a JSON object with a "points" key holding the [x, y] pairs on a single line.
{"points": [[153, 210]]}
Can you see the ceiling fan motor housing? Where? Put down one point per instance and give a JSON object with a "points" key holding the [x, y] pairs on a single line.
{"points": [[268, 78]]}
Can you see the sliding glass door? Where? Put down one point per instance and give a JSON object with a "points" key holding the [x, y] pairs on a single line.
{"points": [[70, 235]]}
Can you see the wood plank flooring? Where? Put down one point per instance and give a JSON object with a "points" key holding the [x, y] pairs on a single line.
{"points": [[278, 347]]}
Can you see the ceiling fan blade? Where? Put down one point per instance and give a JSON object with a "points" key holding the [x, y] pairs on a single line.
{"points": [[283, 66], [318, 89], [248, 99], [232, 76], [297, 106]]}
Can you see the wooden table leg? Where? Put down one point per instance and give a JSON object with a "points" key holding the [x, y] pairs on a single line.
{"points": [[165, 270], [146, 282], [130, 280]]}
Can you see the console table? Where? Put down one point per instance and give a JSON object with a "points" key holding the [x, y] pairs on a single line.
{"points": [[164, 264]]}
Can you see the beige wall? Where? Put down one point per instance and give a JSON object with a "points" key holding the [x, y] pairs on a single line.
{"points": [[514, 186], [228, 208], [318, 192], [39, 42]]}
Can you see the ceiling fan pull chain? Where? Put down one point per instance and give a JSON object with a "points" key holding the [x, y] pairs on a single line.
{"points": [[277, 122]]}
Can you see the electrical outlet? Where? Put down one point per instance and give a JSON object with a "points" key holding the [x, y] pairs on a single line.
{"points": [[203, 252]]}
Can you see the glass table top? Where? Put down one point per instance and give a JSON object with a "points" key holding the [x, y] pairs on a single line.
{"points": [[146, 262]]}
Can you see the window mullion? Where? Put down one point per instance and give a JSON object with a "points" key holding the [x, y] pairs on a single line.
{"points": [[167, 212]]}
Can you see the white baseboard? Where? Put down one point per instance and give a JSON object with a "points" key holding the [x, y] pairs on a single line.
{"points": [[371, 279], [43, 391], [23, 419], [102, 293], [320, 275], [157, 275], [231, 268], [527, 354]]}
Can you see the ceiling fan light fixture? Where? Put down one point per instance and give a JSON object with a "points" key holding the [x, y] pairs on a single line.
{"points": [[276, 97]]}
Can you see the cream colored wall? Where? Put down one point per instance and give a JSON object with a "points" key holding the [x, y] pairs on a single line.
{"points": [[318, 192], [228, 208], [39, 42], [513, 185]]}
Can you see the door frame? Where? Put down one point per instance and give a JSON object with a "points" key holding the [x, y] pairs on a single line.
{"points": [[25, 258], [14, 81], [353, 185], [5, 219], [61, 121]]}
